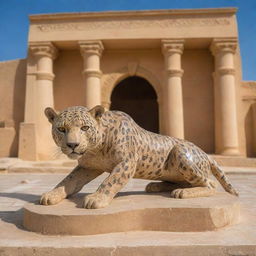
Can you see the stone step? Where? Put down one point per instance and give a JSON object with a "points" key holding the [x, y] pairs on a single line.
{"points": [[15, 165], [134, 212], [235, 161]]}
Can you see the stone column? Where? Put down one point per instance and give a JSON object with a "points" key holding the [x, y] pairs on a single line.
{"points": [[172, 91], [91, 52], [226, 129], [44, 54]]}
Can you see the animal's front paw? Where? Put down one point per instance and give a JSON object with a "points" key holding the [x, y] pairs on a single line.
{"points": [[153, 187], [52, 197], [96, 200], [179, 193]]}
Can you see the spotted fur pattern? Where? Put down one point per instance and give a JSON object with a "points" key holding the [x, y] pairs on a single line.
{"points": [[112, 142]]}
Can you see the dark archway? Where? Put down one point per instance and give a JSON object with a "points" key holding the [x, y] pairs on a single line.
{"points": [[136, 97]]}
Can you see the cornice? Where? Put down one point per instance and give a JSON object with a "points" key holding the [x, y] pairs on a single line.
{"points": [[63, 16]]}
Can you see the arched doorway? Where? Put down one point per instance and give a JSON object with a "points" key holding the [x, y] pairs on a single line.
{"points": [[136, 97]]}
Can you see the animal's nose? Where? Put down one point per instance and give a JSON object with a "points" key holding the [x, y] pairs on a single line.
{"points": [[72, 145]]}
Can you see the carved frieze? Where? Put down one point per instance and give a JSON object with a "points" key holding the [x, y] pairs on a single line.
{"points": [[108, 24]]}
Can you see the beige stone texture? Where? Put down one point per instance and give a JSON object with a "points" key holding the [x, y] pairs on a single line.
{"points": [[67, 78], [27, 141]]}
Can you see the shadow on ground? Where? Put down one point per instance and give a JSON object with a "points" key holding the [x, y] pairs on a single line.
{"points": [[16, 217], [20, 196]]}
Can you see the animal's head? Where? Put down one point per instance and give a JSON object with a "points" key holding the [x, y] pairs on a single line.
{"points": [[76, 130]]}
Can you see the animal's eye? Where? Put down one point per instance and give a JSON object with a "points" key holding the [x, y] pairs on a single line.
{"points": [[61, 129], [85, 128]]}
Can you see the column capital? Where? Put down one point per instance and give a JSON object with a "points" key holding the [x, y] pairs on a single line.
{"points": [[93, 47], [172, 46], [43, 49], [223, 45]]}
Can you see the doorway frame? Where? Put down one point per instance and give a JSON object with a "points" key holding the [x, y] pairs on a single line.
{"points": [[111, 80]]}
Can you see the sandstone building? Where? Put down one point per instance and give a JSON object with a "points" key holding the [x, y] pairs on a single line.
{"points": [[176, 72]]}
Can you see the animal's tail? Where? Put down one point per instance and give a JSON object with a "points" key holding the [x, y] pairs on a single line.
{"points": [[222, 178]]}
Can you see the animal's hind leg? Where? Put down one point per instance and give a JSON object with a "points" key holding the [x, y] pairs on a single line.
{"points": [[192, 192], [195, 176], [164, 186]]}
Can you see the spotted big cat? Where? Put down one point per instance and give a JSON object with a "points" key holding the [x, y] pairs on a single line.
{"points": [[110, 141]]}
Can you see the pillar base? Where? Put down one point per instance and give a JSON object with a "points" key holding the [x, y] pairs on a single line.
{"points": [[229, 152]]}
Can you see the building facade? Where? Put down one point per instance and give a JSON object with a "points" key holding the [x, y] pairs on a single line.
{"points": [[176, 72]]}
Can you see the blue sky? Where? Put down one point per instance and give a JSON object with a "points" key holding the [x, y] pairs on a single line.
{"points": [[14, 21]]}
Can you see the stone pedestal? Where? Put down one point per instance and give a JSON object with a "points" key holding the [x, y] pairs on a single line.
{"points": [[131, 212]]}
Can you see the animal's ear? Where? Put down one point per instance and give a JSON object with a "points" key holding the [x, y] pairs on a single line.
{"points": [[50, 114], [97, 112]]}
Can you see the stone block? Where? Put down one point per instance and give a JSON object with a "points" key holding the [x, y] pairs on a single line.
{"points": [[7, 135], [27, 142]]}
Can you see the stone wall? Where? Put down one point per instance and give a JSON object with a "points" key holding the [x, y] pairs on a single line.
{"points": [[197, 82], [68, 83], [248, 115], [198, 98], [12, 100]]}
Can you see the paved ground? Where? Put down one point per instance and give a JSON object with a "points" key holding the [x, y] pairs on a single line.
{"points": [[18, 189]]}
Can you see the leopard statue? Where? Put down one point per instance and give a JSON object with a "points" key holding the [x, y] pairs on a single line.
{"points": [[111, 141]]}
